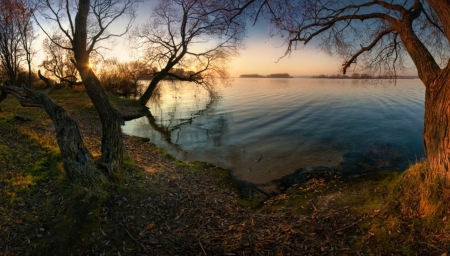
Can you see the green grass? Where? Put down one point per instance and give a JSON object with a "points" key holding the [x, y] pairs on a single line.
{"points": [[370, 193]]}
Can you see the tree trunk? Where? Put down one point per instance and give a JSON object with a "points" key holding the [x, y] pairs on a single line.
{"points": [[436, 133], [111, 119], [78, 161], [151, 88], [112, 144]]}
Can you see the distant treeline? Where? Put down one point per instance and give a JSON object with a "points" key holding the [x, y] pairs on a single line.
{"points": [[360, 76], [279, 75]]}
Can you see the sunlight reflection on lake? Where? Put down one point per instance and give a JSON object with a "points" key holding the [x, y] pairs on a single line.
{"points": [[266, 129]]}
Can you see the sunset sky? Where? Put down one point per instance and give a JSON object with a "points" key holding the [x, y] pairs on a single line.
{"points": [[262, 56], [261, 53]]}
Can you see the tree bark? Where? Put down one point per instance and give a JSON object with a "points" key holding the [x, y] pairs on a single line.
{"points": [[111, 119], [442, 9], [149, 91], [78, 161], [152, 86], [112, 144], [436, 133]]}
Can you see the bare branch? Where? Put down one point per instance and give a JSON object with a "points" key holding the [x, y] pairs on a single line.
{"points": [[179, 25], [24, 99], [365, 49], [353, 30], [46, 80]]}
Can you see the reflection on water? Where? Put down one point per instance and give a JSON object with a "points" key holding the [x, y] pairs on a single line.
{"points": [[267, 129]]}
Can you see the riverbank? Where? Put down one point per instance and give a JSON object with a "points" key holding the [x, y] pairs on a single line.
{"points": [[161, 206]]}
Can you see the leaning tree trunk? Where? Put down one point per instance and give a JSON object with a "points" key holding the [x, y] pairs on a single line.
{"points": [[78, 161], [436, 133], [151, 88]]}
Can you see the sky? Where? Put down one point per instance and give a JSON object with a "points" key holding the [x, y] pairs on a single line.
{"points": [[261, 54]]}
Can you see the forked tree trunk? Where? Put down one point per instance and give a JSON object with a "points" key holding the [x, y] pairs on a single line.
{"points": [[436, 135], [112, 144], [111, 119]]}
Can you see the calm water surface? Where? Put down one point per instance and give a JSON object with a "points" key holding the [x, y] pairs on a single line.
{"points": [[264, 130]]}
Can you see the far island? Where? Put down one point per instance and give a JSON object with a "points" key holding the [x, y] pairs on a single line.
{"points": [[279, 75]]}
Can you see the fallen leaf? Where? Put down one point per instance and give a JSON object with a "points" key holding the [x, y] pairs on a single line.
{"points": [[150, 226], [286, 228]]}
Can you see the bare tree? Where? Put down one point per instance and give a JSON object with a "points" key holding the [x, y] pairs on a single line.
{"points": [[15, 51], [108, 73], [28, 37], [16, 37], [122, 78], [196, 36], [85, 24], [379, 36], [133, 72], [58, 61]]}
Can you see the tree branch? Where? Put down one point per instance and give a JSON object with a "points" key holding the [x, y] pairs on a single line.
{"points": [[24, 99], [46, 80], [190, 78], [365, 49]]}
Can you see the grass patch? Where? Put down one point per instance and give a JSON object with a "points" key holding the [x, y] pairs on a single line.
{"points": [[411, 213], [402, 212], [424, 195], [305, 198], [219, 175], [36, 198], [116, 100], [373, 197], [370, 193]]}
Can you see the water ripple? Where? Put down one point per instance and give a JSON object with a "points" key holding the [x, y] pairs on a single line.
{"points": [[289, 124]]}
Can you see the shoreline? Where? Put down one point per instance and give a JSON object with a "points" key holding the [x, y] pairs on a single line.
{"points": [[162, 206]]}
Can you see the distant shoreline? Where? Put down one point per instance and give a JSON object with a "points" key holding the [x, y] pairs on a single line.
{"points": [[363, 76], [284, 75], [279, 75]]}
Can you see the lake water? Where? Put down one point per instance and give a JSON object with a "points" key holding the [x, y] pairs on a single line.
{"points": [[265, 130]]}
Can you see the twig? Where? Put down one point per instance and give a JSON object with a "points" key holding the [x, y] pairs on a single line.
{"points": [[202, 247], [346, 227], [143, 247], [430, 245]]}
